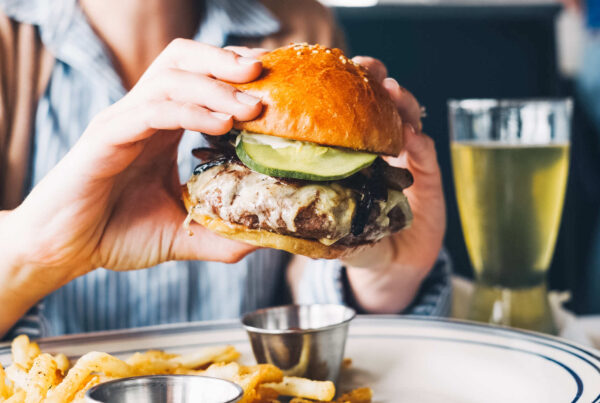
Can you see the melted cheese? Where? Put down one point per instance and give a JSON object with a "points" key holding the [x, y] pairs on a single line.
{"points": [[231, 193], [275, 204]]}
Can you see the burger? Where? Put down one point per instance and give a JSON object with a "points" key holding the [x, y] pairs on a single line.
{"points": [[306, 176]]}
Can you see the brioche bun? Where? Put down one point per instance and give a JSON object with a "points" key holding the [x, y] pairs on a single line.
{"points": [[316, 94], [266, 239]]}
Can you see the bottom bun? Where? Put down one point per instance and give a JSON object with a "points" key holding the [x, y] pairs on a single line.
{"points": [[267, 239]]}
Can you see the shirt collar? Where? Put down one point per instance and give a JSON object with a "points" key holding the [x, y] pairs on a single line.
{"points": [[66, 33]]}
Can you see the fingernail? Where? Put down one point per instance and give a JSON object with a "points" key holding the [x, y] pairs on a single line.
{"points": [[221, 116], [247, 60], [391, 83], [246, 98]]}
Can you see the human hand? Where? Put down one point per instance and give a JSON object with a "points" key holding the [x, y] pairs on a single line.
{"points": [[573, 4], [114, 200], [402, 260]]}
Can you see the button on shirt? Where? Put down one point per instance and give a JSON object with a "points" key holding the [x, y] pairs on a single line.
{"points": [[83, 82]]}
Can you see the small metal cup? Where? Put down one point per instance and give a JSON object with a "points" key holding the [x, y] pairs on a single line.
{"points": [[302, 340], [165, 389]]}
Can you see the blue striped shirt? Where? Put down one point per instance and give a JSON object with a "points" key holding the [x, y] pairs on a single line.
{"points": [[83, 82]]}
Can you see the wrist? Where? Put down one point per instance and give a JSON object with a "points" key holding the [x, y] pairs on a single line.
{"points": [[382, 280], [377, 257], [20, 274], [17, 294], [10, 247], [386, 291]]}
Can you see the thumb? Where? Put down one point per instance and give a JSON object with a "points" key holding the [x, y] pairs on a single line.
{"points": [[418, 155], [204, 244]]}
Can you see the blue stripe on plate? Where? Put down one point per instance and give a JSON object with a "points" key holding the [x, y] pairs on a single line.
{"points": [[570, 371]]}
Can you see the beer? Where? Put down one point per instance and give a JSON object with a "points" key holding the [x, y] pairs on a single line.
{"points": [[510, 199], [510, 159]]}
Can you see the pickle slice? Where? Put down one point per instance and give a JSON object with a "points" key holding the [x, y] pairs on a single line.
{"points": [[300, 160]]}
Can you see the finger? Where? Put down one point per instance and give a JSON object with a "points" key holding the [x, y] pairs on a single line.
{"points": [[175, 115], [418, 154], [247, 52], [139, 123], [185, 87], [407, 104], [201, 246], [196, 57], [375, 67]]}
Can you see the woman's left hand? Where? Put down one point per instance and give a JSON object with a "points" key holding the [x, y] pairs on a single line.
{"points": [[386, 277]]}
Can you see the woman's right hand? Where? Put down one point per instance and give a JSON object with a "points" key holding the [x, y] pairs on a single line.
{"points": [[114, 200]]}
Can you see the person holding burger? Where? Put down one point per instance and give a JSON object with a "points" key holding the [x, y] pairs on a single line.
{"points": [[112, 128]]}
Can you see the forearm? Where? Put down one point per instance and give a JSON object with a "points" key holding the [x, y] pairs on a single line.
{"points": [[389, 291], [23, 285], [381, 283], [382, 288]]}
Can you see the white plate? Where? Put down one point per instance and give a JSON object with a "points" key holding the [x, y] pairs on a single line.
{"points": [[403, 359]]}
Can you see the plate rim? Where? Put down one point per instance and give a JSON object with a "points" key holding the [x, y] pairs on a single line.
{"points": [[590, 355], [229, 324]]}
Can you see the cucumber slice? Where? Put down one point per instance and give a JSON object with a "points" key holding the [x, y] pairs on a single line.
{"points": [[298, 159]]}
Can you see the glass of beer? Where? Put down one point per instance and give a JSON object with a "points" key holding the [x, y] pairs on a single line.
{"points": [[510, 161]]}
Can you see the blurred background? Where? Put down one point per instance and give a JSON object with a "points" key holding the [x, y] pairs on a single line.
{"points": [[446, 49]]}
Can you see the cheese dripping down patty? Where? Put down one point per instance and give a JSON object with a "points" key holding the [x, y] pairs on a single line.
{"points": [[322, 211]]}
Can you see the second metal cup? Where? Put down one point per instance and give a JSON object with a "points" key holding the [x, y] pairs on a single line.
{"points": [[302, 340]]}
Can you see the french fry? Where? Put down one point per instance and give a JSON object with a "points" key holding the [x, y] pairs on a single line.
{"points": [[152, 362], [360, 395], [187, 371], [90, 362], [250, 378], [5, 389], [230, 372], [62, 363], [34, 377], [229, 356], [248, 382], [265, 394], [24, 351], [206, 356], [268, 373], [40, 378], [17, 397], [249, 396], [302, 387], [92, 381], [17, 375], [221, 361]]}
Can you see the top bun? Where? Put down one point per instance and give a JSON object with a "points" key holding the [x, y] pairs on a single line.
{"points": [[316, 94]]}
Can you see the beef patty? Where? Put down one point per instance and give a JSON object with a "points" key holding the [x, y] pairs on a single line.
{"points": [[315, 210]]}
